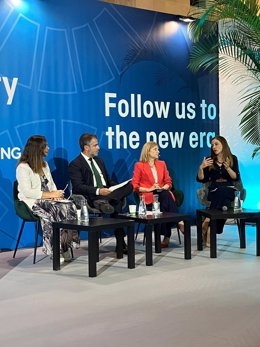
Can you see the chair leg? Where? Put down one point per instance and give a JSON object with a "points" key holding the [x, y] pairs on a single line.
{"points": [[72, 254], [137, 231], [37, 227], [19, 237], [239, 229], [136, 234], [179, 236]]}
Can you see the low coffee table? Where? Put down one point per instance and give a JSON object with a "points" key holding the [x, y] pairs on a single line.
{"points": [[214, 215], [166, 217], [93, 227]]}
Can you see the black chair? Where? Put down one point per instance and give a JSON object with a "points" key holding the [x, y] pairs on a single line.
{"points": [[202, 194], [23, 211], [179, 196]]}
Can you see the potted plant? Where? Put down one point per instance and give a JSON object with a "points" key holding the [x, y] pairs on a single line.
{"points": [[228, 31]]}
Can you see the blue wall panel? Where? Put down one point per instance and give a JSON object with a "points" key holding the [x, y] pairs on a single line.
{"points": [[67, 57]]}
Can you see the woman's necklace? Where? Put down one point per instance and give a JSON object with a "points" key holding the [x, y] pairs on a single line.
{"points": [[220, 161]]}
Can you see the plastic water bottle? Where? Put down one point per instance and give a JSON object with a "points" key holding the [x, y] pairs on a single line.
{"points": [[84, 212], [237, 202], [156, 205], [142, 206]]}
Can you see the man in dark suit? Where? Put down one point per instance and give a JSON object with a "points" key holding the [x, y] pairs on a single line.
{"points": [[90, 178]]}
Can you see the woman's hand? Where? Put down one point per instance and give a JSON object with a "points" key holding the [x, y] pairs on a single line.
{"points": [[230, 171], [226, 163], [55, 194], [153, 187], [58, 194], [206, 162]]}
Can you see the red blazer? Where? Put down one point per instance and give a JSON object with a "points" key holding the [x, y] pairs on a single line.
{"points": [[143, 177]]}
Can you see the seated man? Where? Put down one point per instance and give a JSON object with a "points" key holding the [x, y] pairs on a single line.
{"points": [[89, 177]]}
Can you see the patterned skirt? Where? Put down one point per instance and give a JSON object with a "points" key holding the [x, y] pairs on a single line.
{"points": [[53, 211]]}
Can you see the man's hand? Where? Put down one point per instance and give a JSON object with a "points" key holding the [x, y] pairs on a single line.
{"points": [[104, 191]]}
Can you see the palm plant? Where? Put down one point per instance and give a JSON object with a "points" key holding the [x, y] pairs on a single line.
{"points": [[223, 32]]}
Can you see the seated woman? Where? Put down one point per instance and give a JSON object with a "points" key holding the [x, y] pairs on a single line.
{"points": [[151, 175], [38, 190], [221, 170]]}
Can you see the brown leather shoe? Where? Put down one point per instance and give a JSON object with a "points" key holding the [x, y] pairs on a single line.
{"points": [[165, 242]]}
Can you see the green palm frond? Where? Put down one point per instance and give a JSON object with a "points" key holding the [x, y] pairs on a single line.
{"points": [[256, 152], [237, 23], [250, 122]]}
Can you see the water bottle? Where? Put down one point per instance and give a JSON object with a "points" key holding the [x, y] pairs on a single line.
{"points": [[142, 206], [237, 202], [84, 212], [156, 205]]}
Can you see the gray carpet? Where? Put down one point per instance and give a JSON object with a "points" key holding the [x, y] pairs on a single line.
{"points": [[199, 302]]}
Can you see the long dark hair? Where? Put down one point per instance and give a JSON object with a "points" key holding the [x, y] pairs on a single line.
{"points": [[226, 149], [33, 153]]}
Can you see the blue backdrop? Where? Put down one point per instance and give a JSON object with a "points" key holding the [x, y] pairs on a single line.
{"points": [[84, 66]]}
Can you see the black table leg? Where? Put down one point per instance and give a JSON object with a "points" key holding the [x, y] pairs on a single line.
{"points": [[56, 248], [199, 232], [119, 245], [131, 247], [242, 232], [187, 240], [149, 245], [157, 238], [213, 238], [92, 253], [97, 249], [258, 236]]}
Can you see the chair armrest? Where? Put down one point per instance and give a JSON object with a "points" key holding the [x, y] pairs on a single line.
{"points": [[179, 196], [202, 194]]}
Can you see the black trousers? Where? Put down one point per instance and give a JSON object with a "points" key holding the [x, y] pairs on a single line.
{"points": [[116, 199], [222, 196]]}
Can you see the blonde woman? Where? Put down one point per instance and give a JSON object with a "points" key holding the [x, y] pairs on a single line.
{"points": [[150, 177]]}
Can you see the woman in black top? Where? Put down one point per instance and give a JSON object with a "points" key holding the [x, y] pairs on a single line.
{"points": [[220, 170]]}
